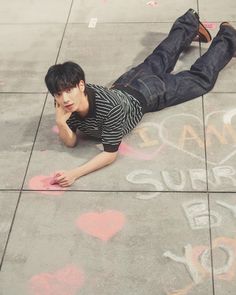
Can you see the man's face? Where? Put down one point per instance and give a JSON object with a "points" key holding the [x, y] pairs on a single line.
{"points": [[70, 98]]}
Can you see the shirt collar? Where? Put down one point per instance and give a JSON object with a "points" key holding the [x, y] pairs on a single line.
{"points": [[92, 105]]}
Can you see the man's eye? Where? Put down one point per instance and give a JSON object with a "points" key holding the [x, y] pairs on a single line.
{"points": [[68, 90]]}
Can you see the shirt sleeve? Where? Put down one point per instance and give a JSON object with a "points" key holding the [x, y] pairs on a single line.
{"points": [[112, 131]]}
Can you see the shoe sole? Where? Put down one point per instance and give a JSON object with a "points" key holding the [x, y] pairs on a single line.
{"points": [[204, 34]]}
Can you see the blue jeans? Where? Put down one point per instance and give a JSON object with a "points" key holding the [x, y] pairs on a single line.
{"points": [[153, 80]]}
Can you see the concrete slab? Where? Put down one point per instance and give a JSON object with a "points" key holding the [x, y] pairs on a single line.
{"points": [[30, 11], [225, 81], [109, 50], [217, 11], [20, 114], [8, 201], [27, 53], [123, 11], [220, 110], [224, 243], [93, 243], [154, 157]]}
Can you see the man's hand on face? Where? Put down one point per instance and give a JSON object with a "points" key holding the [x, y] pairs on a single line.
{"points": [[61, 115]]}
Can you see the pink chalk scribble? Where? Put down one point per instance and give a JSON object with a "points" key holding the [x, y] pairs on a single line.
{"points": [[209, 25], [152, 3], [55, 129], [65, 281], [128, 150], [45, 185], [101, 225]]}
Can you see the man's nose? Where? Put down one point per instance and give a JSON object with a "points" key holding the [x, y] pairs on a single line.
{"points": [[65, 97]]}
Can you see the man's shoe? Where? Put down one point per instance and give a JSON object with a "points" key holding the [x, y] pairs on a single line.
{"points": [[203, 34]]}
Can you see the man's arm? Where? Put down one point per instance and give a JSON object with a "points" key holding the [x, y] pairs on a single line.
{"points": [[66, 178], [65, 133]]}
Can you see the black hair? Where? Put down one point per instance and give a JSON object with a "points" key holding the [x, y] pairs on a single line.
{"points": [[63, 76]]}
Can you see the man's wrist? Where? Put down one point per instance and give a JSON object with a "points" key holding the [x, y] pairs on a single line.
{"points": [[61, 124]]}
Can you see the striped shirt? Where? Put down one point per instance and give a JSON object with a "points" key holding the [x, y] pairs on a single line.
{"points": [[112, 114]]}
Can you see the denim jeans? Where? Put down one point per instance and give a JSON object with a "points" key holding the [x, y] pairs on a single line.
{"points": [[153, 78]]}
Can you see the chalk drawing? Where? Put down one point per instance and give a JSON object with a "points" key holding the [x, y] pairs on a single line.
{"points": [[169, 180], [224, 172], [189, 134], [206, 256], [196, 177], [143, 134], [65, 281], [146, 148], [55, 129], [93, 23], [152, 3], [152, 137], [187, 261], [102, 225], [44, 185], [197, 260], [198, 214], [210, 25], [131, 177], [228, 206], [227, 118]]}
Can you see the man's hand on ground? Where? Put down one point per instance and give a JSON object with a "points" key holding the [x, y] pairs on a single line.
{"points": [[64, 178], [67, 178]]}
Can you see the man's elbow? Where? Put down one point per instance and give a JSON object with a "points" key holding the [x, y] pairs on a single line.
{"points": [[111, 157], [71, 143]]}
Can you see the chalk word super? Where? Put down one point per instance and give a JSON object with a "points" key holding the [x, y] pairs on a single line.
{"points": [[216, 178]]}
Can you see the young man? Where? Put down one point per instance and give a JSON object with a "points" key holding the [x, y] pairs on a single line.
{"points": [[109, 114]]}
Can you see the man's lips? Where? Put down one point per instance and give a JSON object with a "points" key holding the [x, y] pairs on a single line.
{"points": [[69, 105]]}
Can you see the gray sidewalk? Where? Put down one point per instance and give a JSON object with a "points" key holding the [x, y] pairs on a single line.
{"points": [[161, 219]]}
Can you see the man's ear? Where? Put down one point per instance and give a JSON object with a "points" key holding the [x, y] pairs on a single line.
{"points": [[81, 85]]}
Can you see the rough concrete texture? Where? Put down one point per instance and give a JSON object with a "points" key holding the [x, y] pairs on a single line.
{"points": [[161, 219]]}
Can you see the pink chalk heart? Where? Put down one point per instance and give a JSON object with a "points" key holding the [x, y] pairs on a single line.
{"points": [[45, 185], [128, 150], [209, 25], [101, 225], [55, 129], [65, 281], [152, 3]]}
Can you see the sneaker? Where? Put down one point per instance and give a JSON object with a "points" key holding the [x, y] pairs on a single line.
{"points": [[203, 34]]}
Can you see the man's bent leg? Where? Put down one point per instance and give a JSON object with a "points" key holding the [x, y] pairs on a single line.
{"points": [[166, 54], [202, 76], [164, 57]]}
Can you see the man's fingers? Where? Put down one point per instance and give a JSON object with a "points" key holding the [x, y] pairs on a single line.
{"points": [[59, 177], [64, 183]]}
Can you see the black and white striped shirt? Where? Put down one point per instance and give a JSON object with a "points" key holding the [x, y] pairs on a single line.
{"points": [[112, 114]]}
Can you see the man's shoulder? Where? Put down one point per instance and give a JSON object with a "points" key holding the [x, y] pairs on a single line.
{"points": [[104, 95], [98, 89]]}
